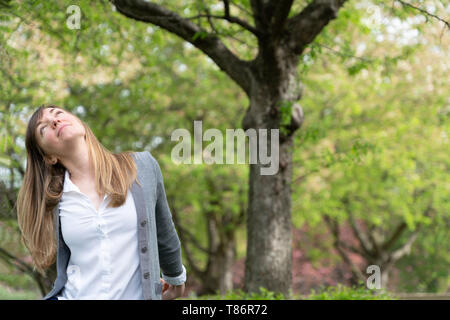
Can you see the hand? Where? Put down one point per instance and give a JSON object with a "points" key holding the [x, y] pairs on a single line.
{"points": [[170, 291]]}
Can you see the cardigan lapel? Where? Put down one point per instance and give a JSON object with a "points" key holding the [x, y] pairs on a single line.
{"points": [[138, 196], [148, 277]]}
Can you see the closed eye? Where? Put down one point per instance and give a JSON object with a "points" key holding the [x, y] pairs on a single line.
{"points": [[43, 127]]}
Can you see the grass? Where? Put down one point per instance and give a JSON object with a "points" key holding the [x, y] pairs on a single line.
{"points": [[338, 292], [18, 287], [8, 293], [238, 294], [17, 281], [341, 292]]}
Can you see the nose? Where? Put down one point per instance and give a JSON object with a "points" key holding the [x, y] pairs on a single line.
{"points": [[55, 121]]}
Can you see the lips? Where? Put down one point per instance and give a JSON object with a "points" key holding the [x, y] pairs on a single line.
{"points": [[59, 131]]}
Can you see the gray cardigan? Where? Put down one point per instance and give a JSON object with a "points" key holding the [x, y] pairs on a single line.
{"points": [[157, 235]]}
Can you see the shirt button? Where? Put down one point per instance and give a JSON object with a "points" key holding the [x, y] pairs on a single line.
{"points": [[143, 223], [146, 275], [144, 250]]}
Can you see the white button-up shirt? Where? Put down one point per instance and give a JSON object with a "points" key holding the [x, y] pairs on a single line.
{"points": [[104, 256]]}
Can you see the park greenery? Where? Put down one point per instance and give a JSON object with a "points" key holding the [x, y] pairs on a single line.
{"points": [[370, 165]]}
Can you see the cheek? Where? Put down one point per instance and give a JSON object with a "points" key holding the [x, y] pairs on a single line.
{"points": [[79, 127], [43, 144], [49, 139]]}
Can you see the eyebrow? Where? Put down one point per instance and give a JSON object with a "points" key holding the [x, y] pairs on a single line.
{"points": [[40, 121]]}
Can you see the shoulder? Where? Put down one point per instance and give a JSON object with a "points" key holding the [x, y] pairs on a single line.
{"points": [[145, 160], [144, 156]]}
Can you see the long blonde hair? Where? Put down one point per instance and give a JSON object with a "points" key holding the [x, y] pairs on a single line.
{"points": [[42, 188]]}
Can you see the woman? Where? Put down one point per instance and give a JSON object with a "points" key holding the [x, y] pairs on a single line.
{"points": [[103, 217]]}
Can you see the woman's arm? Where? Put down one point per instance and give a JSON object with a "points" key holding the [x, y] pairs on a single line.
{"points": [[169, 247]]}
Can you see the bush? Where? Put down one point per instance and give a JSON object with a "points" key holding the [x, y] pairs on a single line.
{"points": [[18, 281], [338, 292], [341, 292], [7, 293], [238, 294]]}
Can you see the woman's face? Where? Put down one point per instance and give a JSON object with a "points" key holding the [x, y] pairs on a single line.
{"points": [[57, 130]]}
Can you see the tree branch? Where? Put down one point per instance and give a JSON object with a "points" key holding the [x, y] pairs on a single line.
{"points": [[16, 262], [351, 248], [360, 235], [307, 24], [406, 4], [405, 249], [208, 15], [281, 12], [211, 45], [372, 230], [259, 15], [244, 10], [26, 268], [189, 256], [397, 233], [185, 234], [238, 21], [228, 18], [342, 54], [334, 228]]}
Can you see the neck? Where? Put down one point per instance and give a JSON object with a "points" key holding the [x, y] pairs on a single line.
{"points": [[77, 163]]}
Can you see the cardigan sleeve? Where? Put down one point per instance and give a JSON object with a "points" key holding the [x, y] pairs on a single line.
{"points": [[169, 247]]}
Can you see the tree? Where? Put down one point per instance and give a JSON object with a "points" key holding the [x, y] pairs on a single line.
{"points": [[271, 84]]}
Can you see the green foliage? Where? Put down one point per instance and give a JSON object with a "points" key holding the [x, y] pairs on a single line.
{"points": [[17, 281], [286, 115], [376, 133], [239, 294], [9, 294], [426, 268], [341, 292], [200, 34]]}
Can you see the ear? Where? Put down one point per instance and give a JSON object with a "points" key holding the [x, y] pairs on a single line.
{"points": [[50, 160]]}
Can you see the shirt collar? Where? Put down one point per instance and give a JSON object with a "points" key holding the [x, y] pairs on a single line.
{"points": [[68, 184]]}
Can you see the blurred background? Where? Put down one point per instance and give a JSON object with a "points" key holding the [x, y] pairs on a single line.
{"points": [[371, 180]]}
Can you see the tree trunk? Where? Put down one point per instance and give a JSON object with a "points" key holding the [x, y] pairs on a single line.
{"points": [[269, 226], [219, 272]]}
